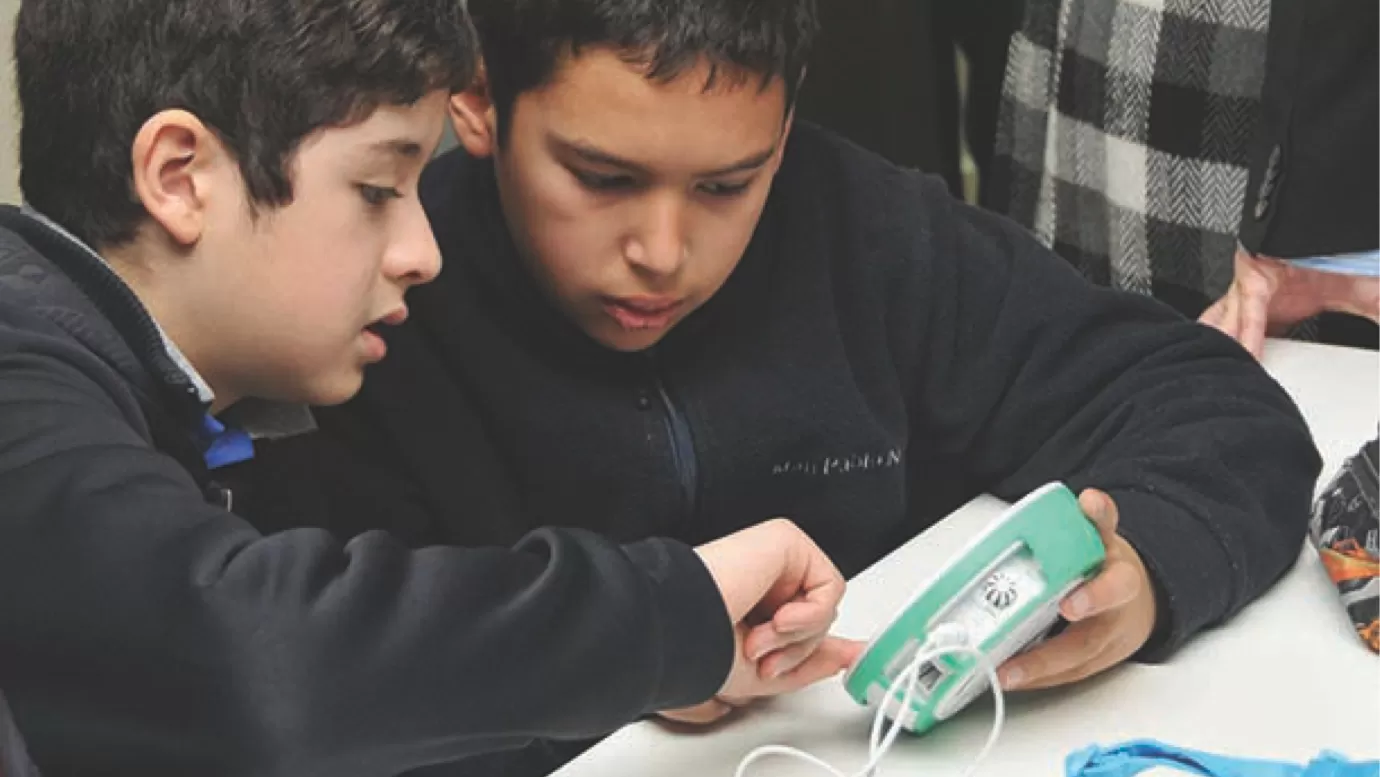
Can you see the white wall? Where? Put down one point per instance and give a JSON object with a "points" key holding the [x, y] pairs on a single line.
{"points": [[9, 111]]}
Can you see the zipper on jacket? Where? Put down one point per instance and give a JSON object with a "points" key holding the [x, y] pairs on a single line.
{"points": [[682, 445]]}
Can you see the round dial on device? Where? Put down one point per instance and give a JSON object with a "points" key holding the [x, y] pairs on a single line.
{"points": [[999, 590]]}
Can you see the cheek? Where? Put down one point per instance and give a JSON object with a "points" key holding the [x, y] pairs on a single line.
{"points": [[565, 257], [549, 194], [570, 239], [327, 285], [721, 237]]}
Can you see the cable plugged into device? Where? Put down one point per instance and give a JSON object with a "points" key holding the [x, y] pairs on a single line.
{"points": [[944, 640], [993, 599]]}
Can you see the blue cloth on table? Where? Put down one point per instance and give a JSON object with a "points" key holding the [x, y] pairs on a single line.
{"points": [[1132, 758]]}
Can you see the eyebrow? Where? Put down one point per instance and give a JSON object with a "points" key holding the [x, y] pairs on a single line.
{"points": [[595, 156], [403, 147]]}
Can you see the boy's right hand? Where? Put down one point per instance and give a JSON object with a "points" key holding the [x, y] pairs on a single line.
{"points": [[1268, 296], [782, 593]]}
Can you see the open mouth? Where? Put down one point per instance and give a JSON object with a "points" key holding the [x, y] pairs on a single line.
{"points": [[376, 347], [642, 314], [395, 318]]}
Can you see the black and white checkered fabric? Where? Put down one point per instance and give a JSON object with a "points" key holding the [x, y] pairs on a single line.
{"points": [[1124, 135]]}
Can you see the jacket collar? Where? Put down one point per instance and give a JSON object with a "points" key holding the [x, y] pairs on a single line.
{"points": [[106, 315]]}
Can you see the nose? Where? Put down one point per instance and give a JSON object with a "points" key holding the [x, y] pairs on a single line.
{"points": [[414, 257], [658, 246]]}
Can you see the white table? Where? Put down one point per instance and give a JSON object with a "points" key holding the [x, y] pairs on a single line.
{"points": [[1286, 679]]}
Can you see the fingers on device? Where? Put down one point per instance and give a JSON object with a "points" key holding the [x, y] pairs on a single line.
{"points": [[1001, 594]]}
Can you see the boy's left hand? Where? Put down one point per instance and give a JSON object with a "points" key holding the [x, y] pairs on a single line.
{"points": [[1110, 617]]}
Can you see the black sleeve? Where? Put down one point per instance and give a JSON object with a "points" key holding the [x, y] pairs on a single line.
{"points": [[1030, 374], [143, 631], [1314, 187]]}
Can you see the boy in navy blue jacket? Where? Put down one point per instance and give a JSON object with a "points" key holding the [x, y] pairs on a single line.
{"points": [[222, 216]]}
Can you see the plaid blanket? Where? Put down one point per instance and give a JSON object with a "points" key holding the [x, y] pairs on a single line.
{"points": [[1124, 136]]}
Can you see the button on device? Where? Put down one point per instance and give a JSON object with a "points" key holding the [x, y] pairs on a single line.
{"points": [[1000, 590]]}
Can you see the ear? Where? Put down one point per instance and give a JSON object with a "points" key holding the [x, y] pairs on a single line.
{"points": [[474, 117], [175, 158]]}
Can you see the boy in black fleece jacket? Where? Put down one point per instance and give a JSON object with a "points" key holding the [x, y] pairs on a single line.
{"points": [[666, 310], [222, 210]]}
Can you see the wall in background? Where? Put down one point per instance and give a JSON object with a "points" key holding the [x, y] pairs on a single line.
{"points": [[9, 110]]}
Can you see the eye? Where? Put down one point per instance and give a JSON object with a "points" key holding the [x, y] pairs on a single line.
{"points": [[602, 183], [725, 189], [378, 196]]}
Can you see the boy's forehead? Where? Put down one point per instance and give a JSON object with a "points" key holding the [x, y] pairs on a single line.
{"points": [[389, 131], [600, 99], [605, 67]]}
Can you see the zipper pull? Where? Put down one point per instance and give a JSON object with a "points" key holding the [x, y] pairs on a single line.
{"points": [[221, 496]]}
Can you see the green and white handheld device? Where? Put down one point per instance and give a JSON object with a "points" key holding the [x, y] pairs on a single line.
{"points": [[1000, 595]]}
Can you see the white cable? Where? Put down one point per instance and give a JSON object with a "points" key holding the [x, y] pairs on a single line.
{"points": [[938, 644]]}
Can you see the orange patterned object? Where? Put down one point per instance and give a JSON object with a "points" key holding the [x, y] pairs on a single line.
{"points": [[1346, 531]]}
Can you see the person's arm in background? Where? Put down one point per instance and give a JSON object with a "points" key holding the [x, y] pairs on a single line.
{"points": [[1313, 185]]}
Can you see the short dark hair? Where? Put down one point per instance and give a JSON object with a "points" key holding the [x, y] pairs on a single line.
{"points": [[261, 74], [523, 41]]}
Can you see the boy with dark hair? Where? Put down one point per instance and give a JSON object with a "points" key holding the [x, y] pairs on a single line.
{"points": [[222, 213], [669, 311]]}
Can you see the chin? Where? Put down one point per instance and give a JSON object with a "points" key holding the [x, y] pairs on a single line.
{"points": [[337, 391], [631, 342]]}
